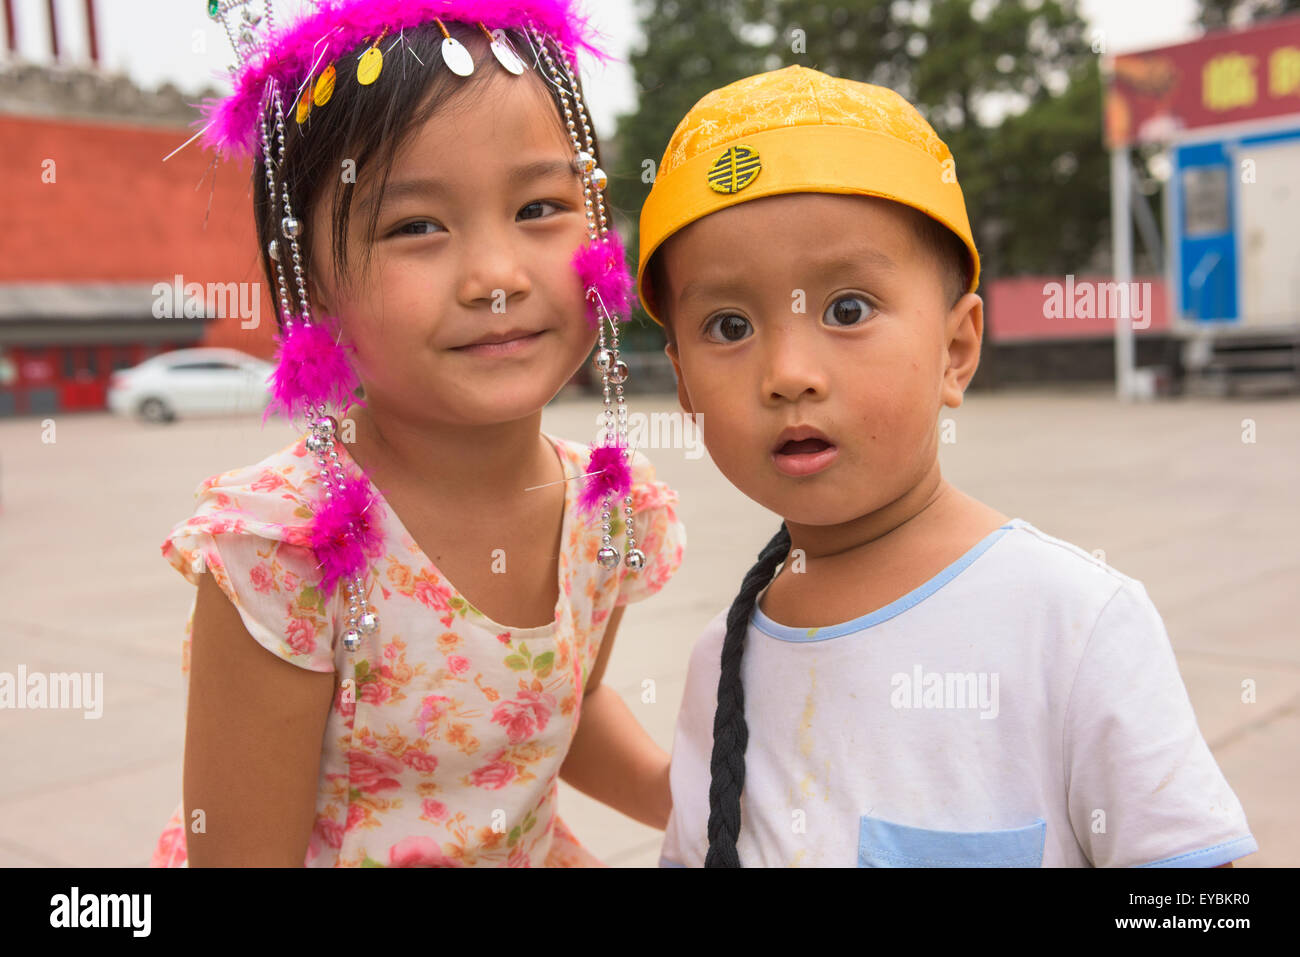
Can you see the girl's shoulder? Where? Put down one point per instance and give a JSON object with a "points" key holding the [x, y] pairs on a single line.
{"points": [[647, 490], [265, 499]]}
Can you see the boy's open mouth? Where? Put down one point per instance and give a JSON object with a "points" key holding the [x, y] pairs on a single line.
{"points": [[803, 451], [802, 446]]}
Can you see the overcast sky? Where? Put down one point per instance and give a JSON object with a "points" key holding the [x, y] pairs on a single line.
{"points": [[154, 40]]}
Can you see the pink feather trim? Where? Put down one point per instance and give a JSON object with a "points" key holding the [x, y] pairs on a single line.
{"points": [[314, 42], [345, 530], [613, 477], [602, 267], [311, 369]]}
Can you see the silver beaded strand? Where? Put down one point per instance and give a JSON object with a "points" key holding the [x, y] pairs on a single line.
{"points": [[324, 427], [607, 361]]}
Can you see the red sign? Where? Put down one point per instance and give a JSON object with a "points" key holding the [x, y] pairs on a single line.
{"points": [[1224, 77]]}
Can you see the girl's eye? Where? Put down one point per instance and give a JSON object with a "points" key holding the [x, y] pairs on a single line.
{"points": [[730, 327], [403, 230], [537, 205], [848, 311]]}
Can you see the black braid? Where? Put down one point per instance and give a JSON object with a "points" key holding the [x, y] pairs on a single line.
{"points": [[730, 733]]}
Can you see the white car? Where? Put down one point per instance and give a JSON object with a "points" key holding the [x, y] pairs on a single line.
{"points": [[191, 382]]}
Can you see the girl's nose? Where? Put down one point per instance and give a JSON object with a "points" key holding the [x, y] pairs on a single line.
{"points": [[493, 273], [794, 366]]}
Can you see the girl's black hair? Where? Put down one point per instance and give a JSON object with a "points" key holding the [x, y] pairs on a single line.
{"points": [[730, 733], [368, 125]]}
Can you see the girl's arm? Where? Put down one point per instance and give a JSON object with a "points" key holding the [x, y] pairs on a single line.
{"points": [[612, 759], [252, 744]]}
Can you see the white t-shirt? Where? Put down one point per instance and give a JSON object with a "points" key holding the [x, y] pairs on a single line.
{"points": [[1021, 708]]}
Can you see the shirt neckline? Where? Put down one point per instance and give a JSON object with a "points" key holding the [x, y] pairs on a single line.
{"points": [[536, 631], [917, 595]]}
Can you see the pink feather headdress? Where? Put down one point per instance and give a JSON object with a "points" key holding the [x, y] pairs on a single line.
{"points": [[293, 52]]}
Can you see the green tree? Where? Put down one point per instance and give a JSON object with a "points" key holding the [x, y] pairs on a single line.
{"points": [[1217, 14]]}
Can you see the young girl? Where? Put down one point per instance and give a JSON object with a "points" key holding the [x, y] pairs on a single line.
{"points": [[907, 677], [437, 581]]}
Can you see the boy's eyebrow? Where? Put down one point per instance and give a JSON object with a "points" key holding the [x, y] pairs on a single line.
{"points": [[824, 266], [436, 188]]}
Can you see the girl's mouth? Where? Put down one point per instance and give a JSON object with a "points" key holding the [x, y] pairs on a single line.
{"points": [[508, 347], [799, 457]]}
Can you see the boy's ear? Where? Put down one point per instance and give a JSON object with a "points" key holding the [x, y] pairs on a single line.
{"points": [[963, 334], [683, 397]]}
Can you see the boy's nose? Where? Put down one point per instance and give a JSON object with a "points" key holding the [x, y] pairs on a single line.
{"points": [[793, 367]]}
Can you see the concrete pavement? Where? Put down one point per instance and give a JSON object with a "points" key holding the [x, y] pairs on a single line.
{"points": [[1170, 492]]}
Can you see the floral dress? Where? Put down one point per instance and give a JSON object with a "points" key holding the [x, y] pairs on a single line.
{"points": [[447, 730]]}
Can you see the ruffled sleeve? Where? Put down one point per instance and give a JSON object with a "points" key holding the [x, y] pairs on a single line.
{"points": [[251, 529], [659, 533]]}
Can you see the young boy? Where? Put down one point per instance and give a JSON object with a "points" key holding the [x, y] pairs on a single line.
{"points": [[926, 681]]}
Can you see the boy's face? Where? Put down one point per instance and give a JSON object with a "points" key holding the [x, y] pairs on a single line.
{"points": [[816, 313]]}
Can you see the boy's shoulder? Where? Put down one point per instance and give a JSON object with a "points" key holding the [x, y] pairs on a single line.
{"points": [[1046, 559]]}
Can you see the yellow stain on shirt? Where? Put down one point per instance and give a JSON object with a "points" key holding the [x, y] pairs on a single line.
{"points": [[805, 722]]}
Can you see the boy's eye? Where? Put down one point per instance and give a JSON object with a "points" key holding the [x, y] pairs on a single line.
{"points": [[848, 311], [537, 205], [730, 327]]}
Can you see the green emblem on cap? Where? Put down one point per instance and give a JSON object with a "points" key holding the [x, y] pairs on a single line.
{"points": [[736, 168]]}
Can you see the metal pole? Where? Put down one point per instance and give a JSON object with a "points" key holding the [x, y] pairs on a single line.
{"points": [[1122, 267]]}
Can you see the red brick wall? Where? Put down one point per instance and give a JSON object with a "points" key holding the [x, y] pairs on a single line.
{"points": [[117, 213]]}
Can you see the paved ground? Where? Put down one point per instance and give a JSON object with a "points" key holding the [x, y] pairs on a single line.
{"points": [[1169, 491]]}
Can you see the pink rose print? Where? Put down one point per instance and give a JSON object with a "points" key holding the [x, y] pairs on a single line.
{"points": [[369, 771], [268, 482], [419, 760], [434, 809], [261, 578], [517, 857], [431, 595], [375, 692], [431, 711], [496, 774], [525, 716], [330, 832], [301, 635], [356, 814], [457, 664], [290, 581], [418, 852]]}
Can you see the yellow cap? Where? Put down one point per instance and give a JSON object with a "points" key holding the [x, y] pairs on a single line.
{"points": [[797, 130]]}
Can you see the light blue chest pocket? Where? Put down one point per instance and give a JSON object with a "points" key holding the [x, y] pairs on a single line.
{"points": [[885, 844]]}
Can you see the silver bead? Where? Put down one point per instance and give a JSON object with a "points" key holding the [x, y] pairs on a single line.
{"points": [[586, 162], [599, 179], [604, 360], [291, 228], [607, 557], [618, 372], [274, 250], [635, 559], [352, 639], [317, 442], [369, 622], [325, 423]]}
